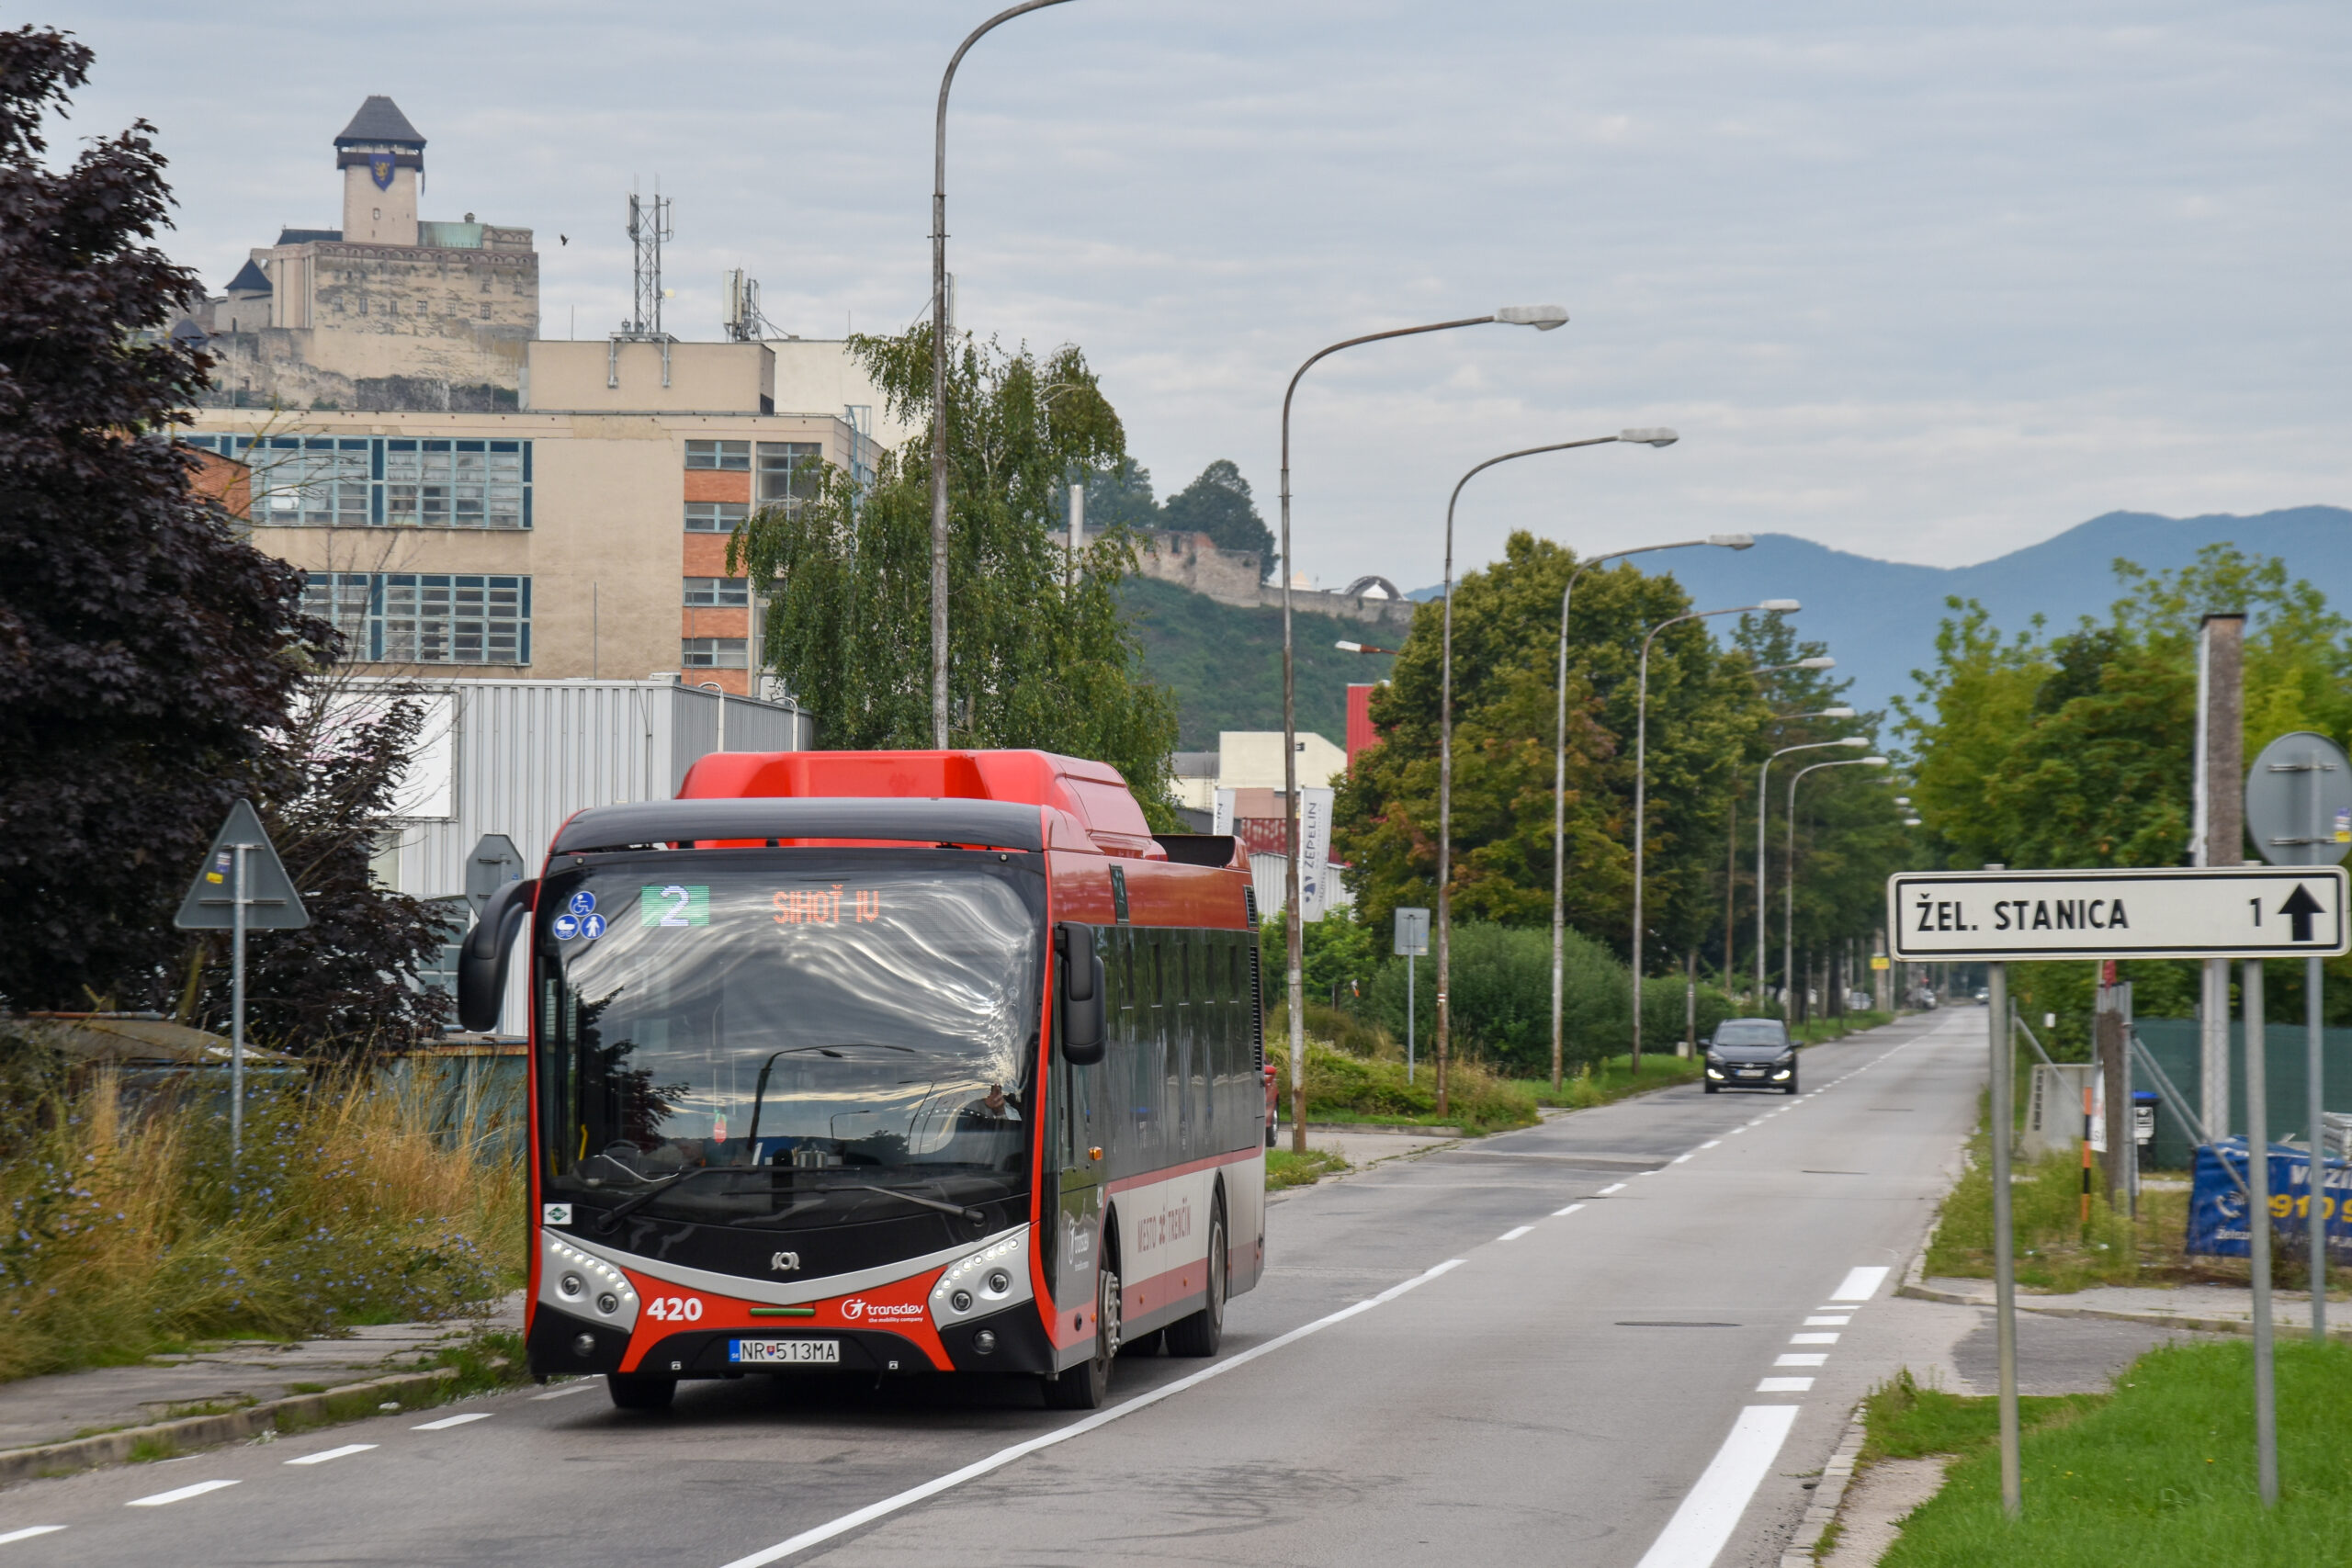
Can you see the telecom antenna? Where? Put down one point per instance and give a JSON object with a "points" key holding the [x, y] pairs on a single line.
{"points": [[743, 322], [649, 226]]}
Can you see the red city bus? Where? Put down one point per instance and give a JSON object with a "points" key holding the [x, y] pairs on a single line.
{"points": [[892, 1061]]}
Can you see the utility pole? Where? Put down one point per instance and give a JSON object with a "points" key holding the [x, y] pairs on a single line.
{"points": [[2218, 833]]}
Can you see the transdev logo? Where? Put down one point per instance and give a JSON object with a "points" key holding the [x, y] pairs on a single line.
{"points": [[858, 1307]]}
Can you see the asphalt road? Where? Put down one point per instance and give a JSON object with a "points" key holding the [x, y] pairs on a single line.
{"points": [[1585, 1343]]}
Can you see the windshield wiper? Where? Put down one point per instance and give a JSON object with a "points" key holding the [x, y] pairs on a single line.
{"points": [[620, 1211], [973, 1215]]}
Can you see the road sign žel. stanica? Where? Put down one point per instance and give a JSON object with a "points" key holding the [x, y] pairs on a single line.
{"points": [[2228, 912]]}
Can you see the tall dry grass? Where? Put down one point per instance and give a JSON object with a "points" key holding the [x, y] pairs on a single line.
{"points": [[128, 1230]]}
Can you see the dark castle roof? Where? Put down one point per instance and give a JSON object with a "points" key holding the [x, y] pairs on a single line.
{"points": [[250, 279], [380, 119], [307, 236]]}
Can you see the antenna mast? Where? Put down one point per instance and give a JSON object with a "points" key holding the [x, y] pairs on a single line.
{"points": [[649, 226]]}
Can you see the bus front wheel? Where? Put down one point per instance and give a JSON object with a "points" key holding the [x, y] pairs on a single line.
{"points": [[1086, 1385]]}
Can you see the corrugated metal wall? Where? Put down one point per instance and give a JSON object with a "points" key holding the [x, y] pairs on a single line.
{"points": [[529, 754]]}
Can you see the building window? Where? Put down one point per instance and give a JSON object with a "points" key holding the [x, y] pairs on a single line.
{"points": [[455, 484], [734, 455], [408, 617], [718, 592], [312, 481], [715, 653], [715, 516], [788, 470]]}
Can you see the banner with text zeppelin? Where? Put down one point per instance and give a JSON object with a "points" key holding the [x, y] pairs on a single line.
{"points": [[2250, 912]]}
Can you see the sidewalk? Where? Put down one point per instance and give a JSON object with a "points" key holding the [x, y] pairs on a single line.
{"points": [[168, 1398], [2222, 1309]]}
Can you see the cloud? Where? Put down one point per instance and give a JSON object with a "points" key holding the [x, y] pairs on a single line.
{"points": [[1929, 282]]}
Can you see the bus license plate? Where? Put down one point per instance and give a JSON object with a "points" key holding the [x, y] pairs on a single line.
{"points": [[769, 1352]]}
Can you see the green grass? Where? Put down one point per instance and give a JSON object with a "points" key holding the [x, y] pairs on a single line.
{"points": [[1285, 1169], [2159, 1474], [1903, 1420], [1373, 1090]]}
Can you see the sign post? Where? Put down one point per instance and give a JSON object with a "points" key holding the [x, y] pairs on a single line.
{"points": [[2299, 812], [1412, 940], [240, 886], [1997, 915]]}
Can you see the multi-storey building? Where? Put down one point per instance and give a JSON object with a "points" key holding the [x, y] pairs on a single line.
{"points": [[581, 534]]}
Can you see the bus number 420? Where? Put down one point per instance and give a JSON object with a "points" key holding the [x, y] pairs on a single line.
{"points": [[675, 1309]]}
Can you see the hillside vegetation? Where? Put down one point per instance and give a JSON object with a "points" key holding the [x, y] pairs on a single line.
{"points": [[1224, 664]]}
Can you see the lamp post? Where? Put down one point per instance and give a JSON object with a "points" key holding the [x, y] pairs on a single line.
{"points": [[1641, 779], [1763, 893], [1560, 760], [1653, 438], [1543, 318], [939, 376], [1789, 913]]}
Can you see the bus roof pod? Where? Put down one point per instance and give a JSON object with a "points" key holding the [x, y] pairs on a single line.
{"points": [[1092, 794]]}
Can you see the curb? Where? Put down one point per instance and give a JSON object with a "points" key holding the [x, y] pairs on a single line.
{"points": [[207, 1431], [1827, 1497]]}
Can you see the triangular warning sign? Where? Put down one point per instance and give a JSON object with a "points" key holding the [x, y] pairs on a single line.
{"points": [[271, 903]]}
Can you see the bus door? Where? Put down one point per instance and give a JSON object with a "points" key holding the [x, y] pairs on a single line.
{"points": [[1074, 1173]]}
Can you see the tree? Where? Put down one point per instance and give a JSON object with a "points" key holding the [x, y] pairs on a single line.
{"points": [[1218, 503], [146, 651], [1703, 714], [1039, 654], [2075, 749]]}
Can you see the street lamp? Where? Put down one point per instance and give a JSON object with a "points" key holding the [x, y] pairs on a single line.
{"points": [[1824, 713], [1641, 780], [1560, 760], [1346, 647], [1652, 438], [1763, 803], [1543, 318], [939, 376], [1789, 911]]}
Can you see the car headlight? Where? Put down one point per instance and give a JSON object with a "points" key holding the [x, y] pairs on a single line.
{"points": [[1713, 1071], [1781, 1074]]}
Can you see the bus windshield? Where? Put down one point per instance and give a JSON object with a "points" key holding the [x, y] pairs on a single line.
{"points": [[751, 1032]]}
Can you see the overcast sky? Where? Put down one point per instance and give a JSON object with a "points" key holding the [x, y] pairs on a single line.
{"points": [[1925, 282]]}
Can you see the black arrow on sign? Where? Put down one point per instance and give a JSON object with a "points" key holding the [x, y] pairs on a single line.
{"points": [[2300, 908]]}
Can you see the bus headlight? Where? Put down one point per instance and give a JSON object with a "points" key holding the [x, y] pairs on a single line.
{"points": [[994, 1276], [570, 1275]]}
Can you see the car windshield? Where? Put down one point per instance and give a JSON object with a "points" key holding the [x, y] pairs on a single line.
{"points": [[1751, 1033], [822, 1021]]}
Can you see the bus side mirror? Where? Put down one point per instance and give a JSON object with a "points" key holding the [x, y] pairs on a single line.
{"points": [[1081, 995], [482, 957]]}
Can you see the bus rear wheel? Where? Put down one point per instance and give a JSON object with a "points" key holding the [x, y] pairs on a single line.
{"points": [[640, 1391], [1203, 1331], [1086, 1385]]}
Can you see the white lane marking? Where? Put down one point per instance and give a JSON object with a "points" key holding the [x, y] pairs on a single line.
{"points": [[1696, 1534], [1003, 1456], [1678, 1159], [1514, 1232], [1802, 1358], [449, 1421], [1712, 1143], [582, 1386], [1563, 1214], [1813, 1340], [1761, 1120], [1861, 1284], [1612, 1187], [28, 1532], [1785, 1385], [179, 1493], [344, 1452], [1832, 1320], [1736, 1132]]}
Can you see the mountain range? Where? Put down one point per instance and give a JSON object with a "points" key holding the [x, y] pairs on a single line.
{"points": [[1880, 617]]}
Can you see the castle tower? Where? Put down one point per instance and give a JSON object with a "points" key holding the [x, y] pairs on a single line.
{"points": [[381, 157]]}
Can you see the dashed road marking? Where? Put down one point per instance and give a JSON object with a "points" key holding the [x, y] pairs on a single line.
{"points": [[1612, 1187], [1813, 1340], [177, 1495], [1563, 1214], [1694, 1536], [1785, 1385], [582, 1386], [28, 1532], [344, 1452], [1514, 1232], [1861, 1284], [1802, 1358], [449, 1421]]}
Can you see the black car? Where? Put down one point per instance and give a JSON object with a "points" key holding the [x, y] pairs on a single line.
{"points": [[1751, 1053]]}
